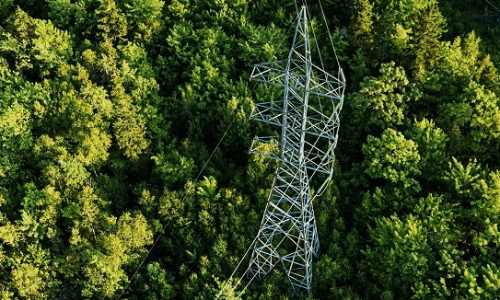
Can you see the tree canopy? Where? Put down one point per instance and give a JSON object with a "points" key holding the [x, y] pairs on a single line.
{"points": [[111, 113]]}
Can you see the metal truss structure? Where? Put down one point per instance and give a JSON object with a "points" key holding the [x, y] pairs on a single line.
{"points": [[308, 116]]}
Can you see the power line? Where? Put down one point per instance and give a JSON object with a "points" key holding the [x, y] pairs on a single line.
{"points": [[329, 33], [196, 180], [203, 168], [492, 5], [182, 201]]}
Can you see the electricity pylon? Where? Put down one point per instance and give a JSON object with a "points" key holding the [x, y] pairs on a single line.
{"points": [[308, 116]]}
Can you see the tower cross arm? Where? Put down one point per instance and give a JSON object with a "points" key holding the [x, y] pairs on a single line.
{"points": [[321, 83]]}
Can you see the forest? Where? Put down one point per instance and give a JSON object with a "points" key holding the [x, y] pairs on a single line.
{"points": [[125, 130]]}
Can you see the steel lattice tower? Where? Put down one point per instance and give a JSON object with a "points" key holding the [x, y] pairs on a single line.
{"points": [[308, 116]]}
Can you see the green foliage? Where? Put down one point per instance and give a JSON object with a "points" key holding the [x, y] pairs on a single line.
{"points": [[428, 31], [396, 30], [472, 122], [35, 46], [392, 158], [156, 284], [129, 126], [109, 110], [111, 23], [28, 281], [431, 143], [383, 100], [143, 17], [400, 256], [362, 25]]}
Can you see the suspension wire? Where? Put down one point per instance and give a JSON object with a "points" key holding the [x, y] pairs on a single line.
{"points": [[255, 239], [268, 238], [244, 256], [329, 33], [314, 34], [287, 32], [322, 65], [248, 250], [296, 7], [246, 286], [236, 269], [195, 181], [210, 157], [182, 201], [492, 5]]}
